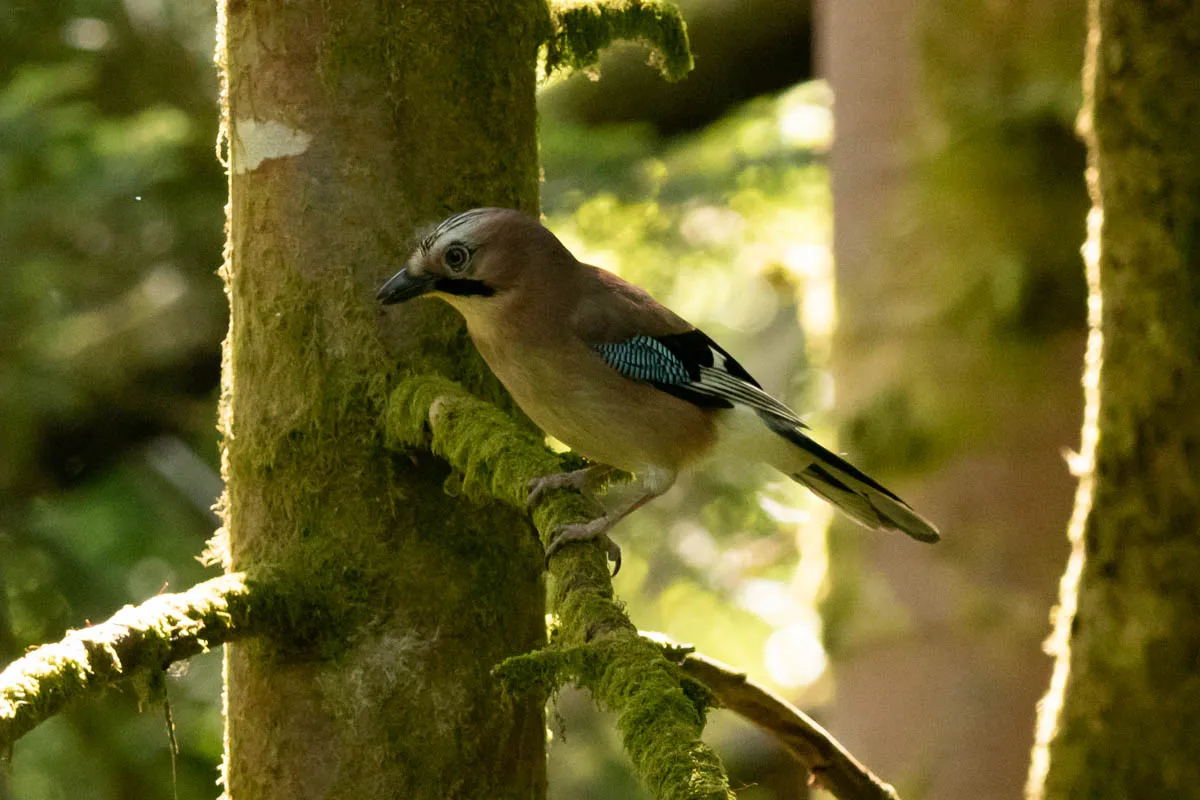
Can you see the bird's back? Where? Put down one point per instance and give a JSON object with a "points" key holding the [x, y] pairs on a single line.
{"points": [[611, 309]]}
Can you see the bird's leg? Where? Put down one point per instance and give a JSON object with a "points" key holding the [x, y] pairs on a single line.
{"points": [[585, 481], [655, 481]]}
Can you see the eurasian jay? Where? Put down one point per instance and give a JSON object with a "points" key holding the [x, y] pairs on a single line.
{"points": [[598, 364]]}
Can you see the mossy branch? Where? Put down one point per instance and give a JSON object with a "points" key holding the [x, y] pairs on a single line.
{"points": [[582, 29], [138, 642], [831, 766], [660, 709]]}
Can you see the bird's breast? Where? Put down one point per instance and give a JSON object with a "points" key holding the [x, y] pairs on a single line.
{"points": [[573, 395]]}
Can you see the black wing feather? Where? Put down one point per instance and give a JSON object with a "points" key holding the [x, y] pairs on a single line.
{"points": [[692, 367]]}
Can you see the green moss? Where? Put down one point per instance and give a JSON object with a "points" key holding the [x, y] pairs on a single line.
{"points": [[660, 711], [543, 671], [581, 30], [496, 456], [296, 436]]}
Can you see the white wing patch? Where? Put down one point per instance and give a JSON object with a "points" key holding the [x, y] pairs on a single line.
{"points": [[716, 381]]}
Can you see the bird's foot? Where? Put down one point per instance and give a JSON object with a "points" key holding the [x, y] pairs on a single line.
{"points": [[583, 481], [586, 532]]}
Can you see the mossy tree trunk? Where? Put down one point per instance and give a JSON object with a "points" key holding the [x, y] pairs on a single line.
{"points": [[1122, 718], [349, 124]]}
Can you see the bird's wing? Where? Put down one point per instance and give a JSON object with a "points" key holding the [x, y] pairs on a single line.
{"points": [[647, 342], [693, 367]]}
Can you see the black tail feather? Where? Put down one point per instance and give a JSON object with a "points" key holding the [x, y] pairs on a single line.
{"points": [[861, 497]]}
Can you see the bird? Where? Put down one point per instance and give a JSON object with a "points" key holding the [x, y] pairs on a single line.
{"points": [[619, 378]]}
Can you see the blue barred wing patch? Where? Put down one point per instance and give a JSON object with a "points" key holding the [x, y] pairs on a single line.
{"points": [[643, 358], [693, 367]]}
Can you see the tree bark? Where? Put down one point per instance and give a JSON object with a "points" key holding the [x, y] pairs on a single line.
{"points": [[1122, 717], [348, 125]]}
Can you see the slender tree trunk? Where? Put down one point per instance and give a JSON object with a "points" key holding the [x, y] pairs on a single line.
{"points": [[349, 124], [1122, 718]]}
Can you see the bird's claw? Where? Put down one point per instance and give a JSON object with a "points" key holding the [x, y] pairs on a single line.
{"points": [[597, 529], [560, 480]]}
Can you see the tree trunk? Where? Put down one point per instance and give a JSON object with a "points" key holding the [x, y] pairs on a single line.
{"points": [[349, 124], [1122, 717]]}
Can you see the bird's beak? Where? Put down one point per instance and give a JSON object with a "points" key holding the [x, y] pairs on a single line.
{"points": [[403, 286]]}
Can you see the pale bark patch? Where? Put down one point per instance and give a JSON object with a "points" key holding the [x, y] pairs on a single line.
{"points": [[254, 141]]}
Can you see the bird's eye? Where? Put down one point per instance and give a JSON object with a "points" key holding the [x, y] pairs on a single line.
{"points": [[456, 257]]}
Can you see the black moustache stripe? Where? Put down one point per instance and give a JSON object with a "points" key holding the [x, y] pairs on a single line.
{"points": [[463, 287]]}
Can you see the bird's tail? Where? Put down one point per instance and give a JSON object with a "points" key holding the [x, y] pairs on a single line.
{"points": [[857, 494]]}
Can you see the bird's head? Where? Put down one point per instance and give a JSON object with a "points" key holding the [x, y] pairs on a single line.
{"points": [[471, 258]]}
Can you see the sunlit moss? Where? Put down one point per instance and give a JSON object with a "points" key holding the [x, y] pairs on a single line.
{"points": [[582, 29]]}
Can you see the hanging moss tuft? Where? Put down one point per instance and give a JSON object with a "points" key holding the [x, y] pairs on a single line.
{"points": [[581, 30]]}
